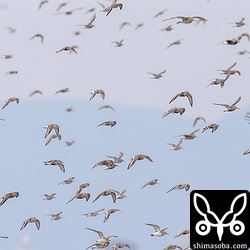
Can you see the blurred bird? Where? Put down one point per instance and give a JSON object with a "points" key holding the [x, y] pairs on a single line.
{"points": [[38, 35], [4, 237], [68, 12], [246, 152], [69, 143], [120, 245], [160, 13], [184, 232], [12, 99], [177, 42], [107, 107], [157, 75], [31, 220], [61, 5], [68, 181], [190, 136], [229, 108], [198, 118], [212, 126], [52, 137], [138, 26], [151, 183], [35, 92], [180, 186], [90, 24], [67, 48], [109, 212], [172, 247], [117, 159], [49, 129], [118, 43], [93, 214], [158, 232], [7, 56], [107, 123], [113, 6], [240, 23], [80, 196], [59, 163], [168, 28], [69, 109], [188, 20], [8, 196], [184, 94], [65, 90], [123, 24], [49, 196], [174, 110], [176, 146], [55, 216], [138, 157], [42, 3], [11, 72], [97, 92]]}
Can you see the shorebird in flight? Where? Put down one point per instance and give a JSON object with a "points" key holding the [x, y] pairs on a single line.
{"points": [[236, 40], [93, 214], [138, 157], [188, 20], [81, 187], [12, 99], [184, 232], [229, 108], [172, 247], [106, 193], [190, 136], [212, 126], [230, 71], [120, 245], [106, 107], [120, 195], [113, 6], [97, 92], [39, 36], [49, 196], [80, 196], [102, 239], [175, 110], [177, 42], [118, 43], [158, 231], [55, 216], [107, 123], [68, 12], [31, 220], [198, 118], [178, 187], [117, 159], [176, 146], [59, 163], [90, 24], [69, 143], [8, 196], [183, 94], [123, 24], [35, 92], [151, 183], [157, 75], [240, 23], [49, 129], [65, 90], [108, 163], [160, 13], [68, 181], [109, 212], [67, 48], [219, 81]]}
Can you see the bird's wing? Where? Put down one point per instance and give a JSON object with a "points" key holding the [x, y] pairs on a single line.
{"points": [[239, 98], [156, 227]]}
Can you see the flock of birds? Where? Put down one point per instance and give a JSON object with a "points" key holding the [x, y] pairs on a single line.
{"points": [[53, 130]]}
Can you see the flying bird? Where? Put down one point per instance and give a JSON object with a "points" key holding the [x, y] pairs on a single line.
{"points": [[180, 186], [49, 128], [52, 137], [65, 90], [55, 216], [183, 94], [240, 23], [188, 20], [39, 36], [158, 231], [106, 107], [138, 157], [90, 24], [230, 71], [80, 196], [177, 42], [229, 108], [190, 136], [81, 187], [219, 81], [117, 159], [172, 247], [102, 239], [31, 220], [198, 118], [107, 123], [49, 196], [184, 232], [35, 92], [108, 163], [174, 110], [120, 245], [176, 146], [93, 214], [106, 193], [109, 212], [8, 196], [67, 48], [12, 99], [59, 163], [68, 181], [157, 75], [113, 6], [97, 92], [151, 183], [212, 126], [118, 43]]}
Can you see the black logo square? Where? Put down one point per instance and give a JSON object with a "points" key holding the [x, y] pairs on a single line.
{"points": [[219, 219]]}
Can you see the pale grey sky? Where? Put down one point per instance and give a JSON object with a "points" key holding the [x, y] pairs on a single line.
{"points": [[211, 161]]}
